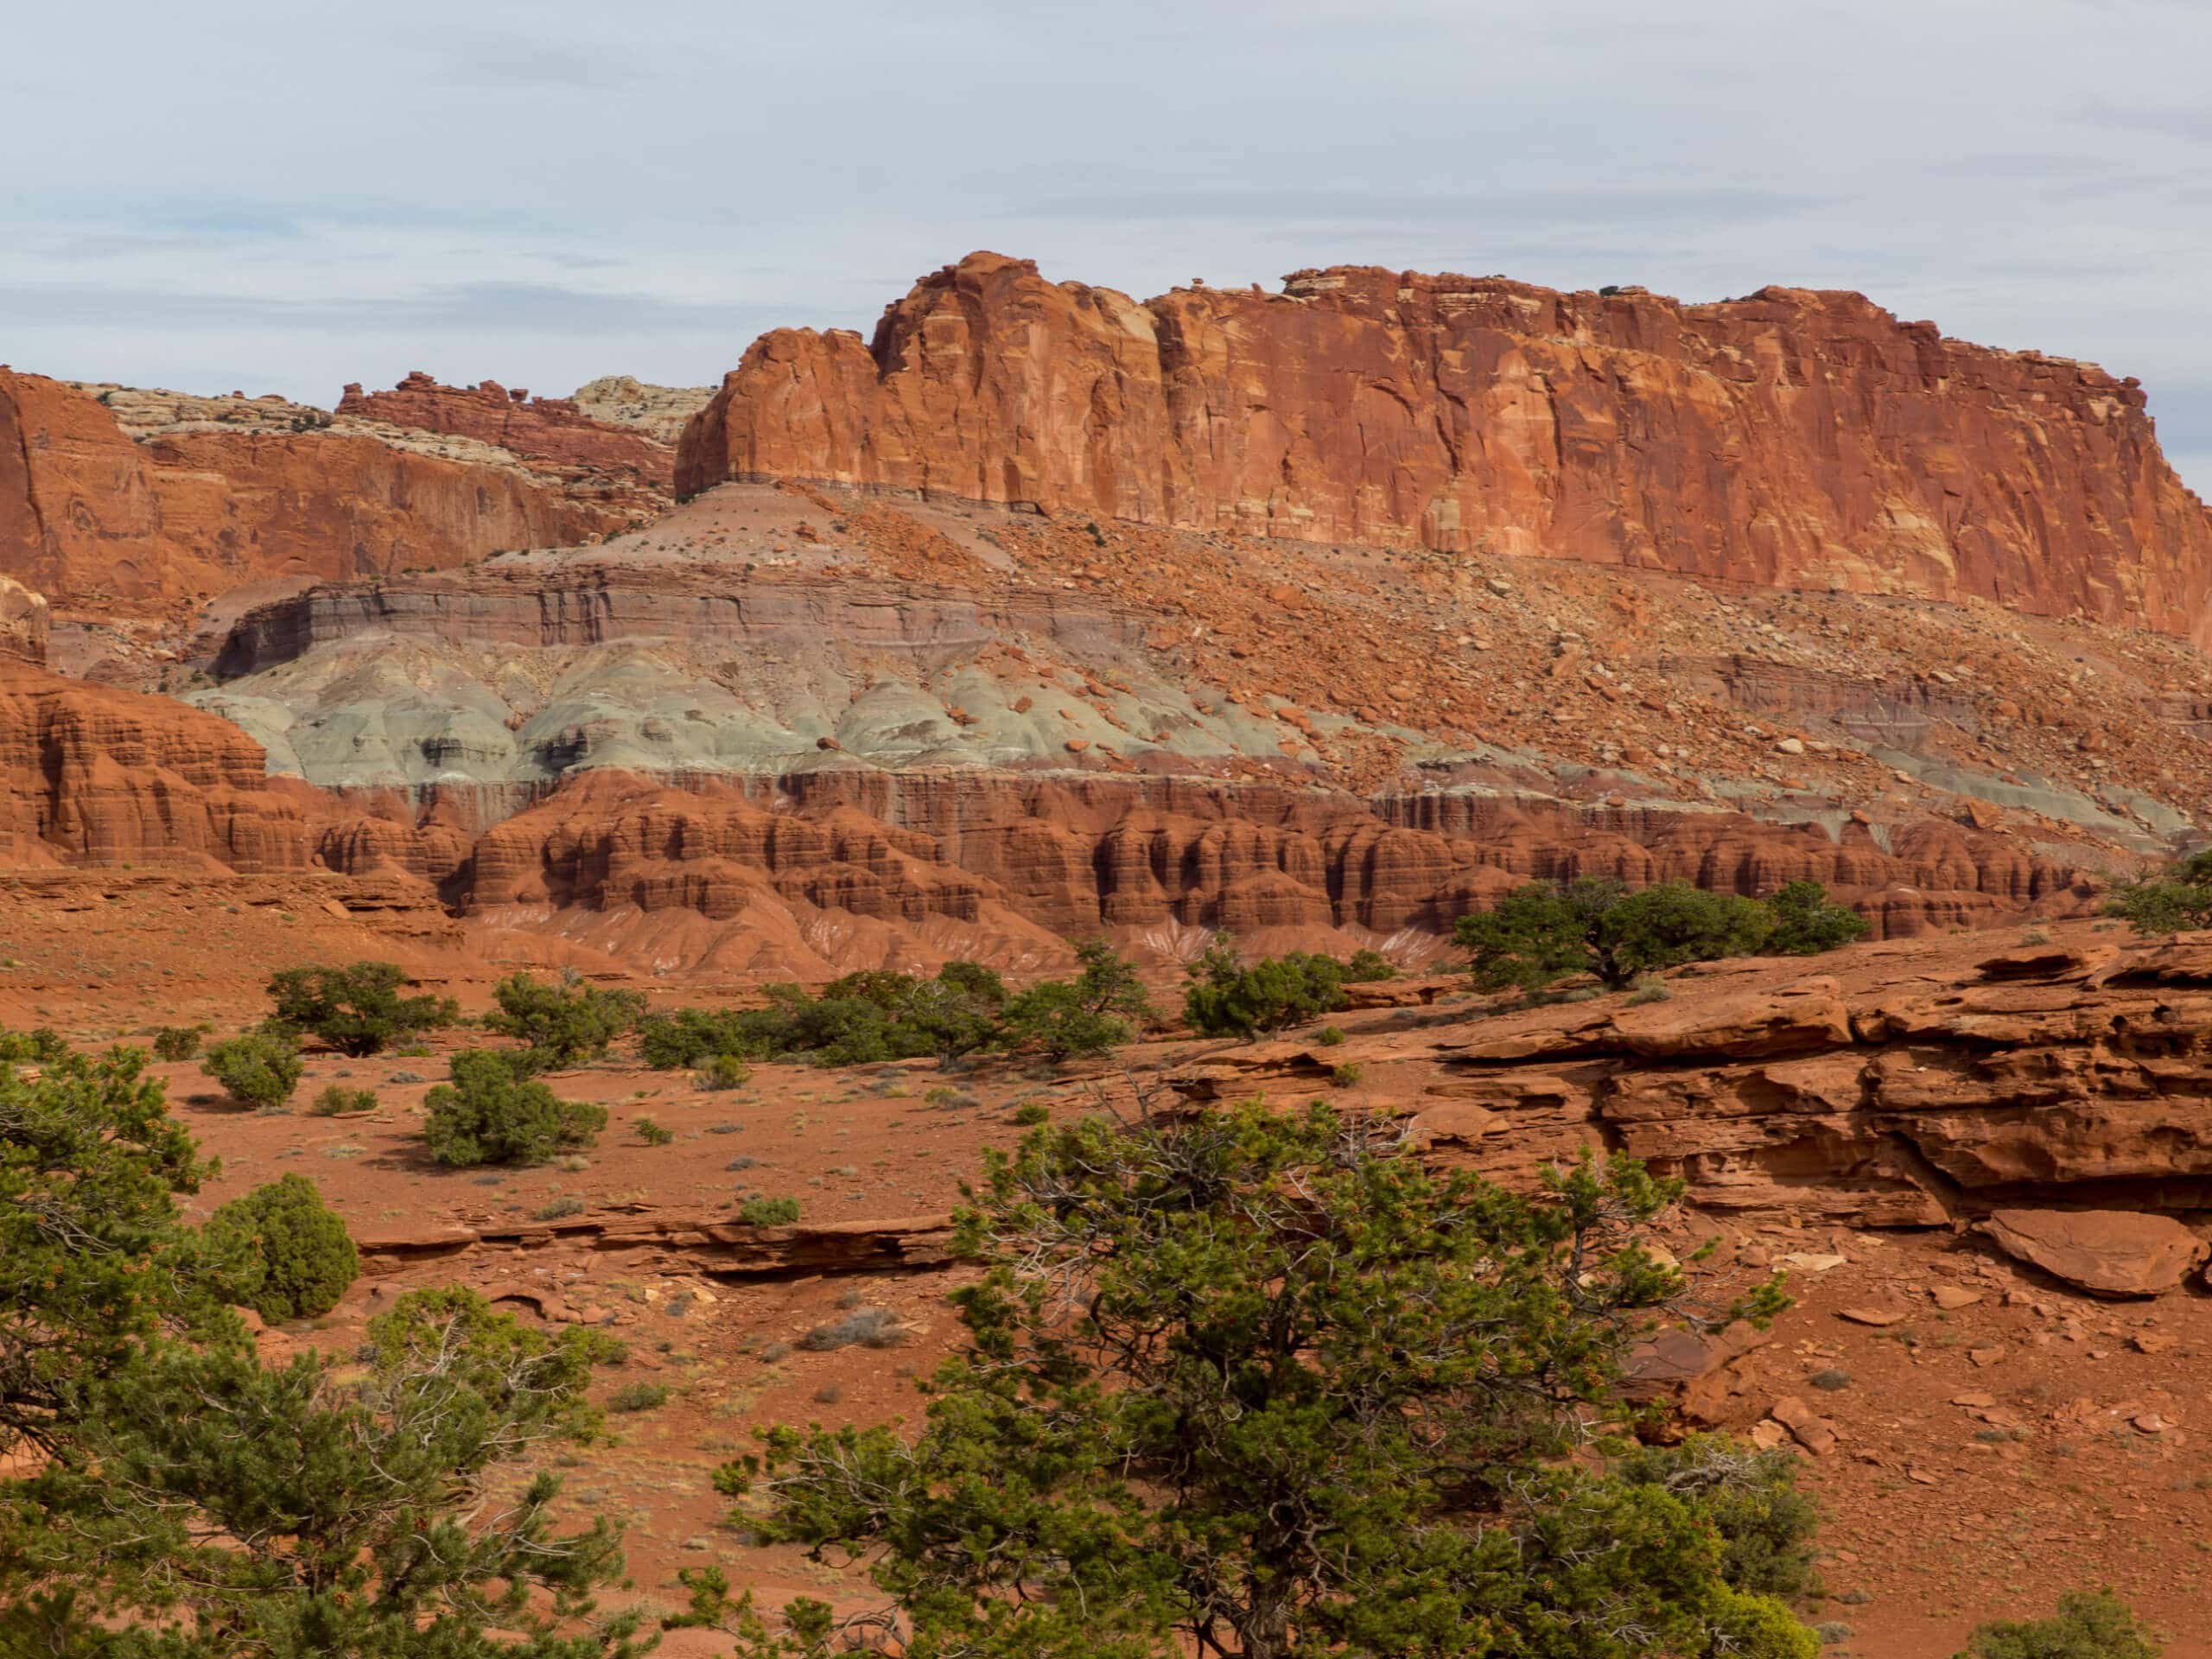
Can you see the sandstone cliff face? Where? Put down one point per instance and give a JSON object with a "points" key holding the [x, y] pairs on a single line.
{"points": [[90, 775], [536, 428], [83, 510], [1793, 438], [1162, 860]]}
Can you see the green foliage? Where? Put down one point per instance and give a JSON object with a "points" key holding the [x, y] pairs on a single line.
{"points": [[337, 1102], [92, 1260], [279, 1251], [1228, 999], [1366, 966], [1256, 1383], [761, 1210], [40, 1047], [1806, 924], [1535, 935], [169, 1496], [1539, 934], [686, 1037], [1051, 1019], [2177, 900], [1765, 1523], [259, 1069], [722, 1072], [1029, 1116], [357, 1010], [490, 1113], [179, 1042], [639, 1396], [1346, 1076], [653, 1133], [563, 1024], [1093, 1014], [322, 1507], [2087, 1625]]}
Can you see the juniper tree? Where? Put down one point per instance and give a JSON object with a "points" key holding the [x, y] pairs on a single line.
{"points": [[1243, 1383]]}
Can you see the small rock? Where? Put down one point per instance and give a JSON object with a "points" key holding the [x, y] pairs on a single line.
{"points": [[1873, 1315], [1950, 1298]]}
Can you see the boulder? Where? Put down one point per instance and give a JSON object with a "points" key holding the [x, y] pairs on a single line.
{"points": [[2117, 1253]]}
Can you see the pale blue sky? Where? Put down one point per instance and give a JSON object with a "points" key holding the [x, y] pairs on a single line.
{"points": [[285, 197]]}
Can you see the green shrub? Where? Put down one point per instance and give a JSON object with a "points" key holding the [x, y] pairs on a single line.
{"points": [[1052, 1019], [1806, 924], [42, 1046], [639, 1396], [722, 1072], [685, 1036], [1030, 1116], [1539, 934], [1649, 990], [653, 1134], [1766, 1524], [564, 1025], [761, 1210], [335, 1102], [492, 1114], [1329, 1036], [357, 1010], [2098, 1625], [2177, 900], [281, 1252], [1228, 999], [179, 1042], [559, 1209], [1369, 965], [259, 1069], [1346, 1076]]}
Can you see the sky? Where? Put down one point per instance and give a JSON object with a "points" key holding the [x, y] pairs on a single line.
{"points": [[280, 197]]}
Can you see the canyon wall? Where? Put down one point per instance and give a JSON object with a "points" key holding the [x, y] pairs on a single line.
{"points": [[1793, 438], [87, 510]]}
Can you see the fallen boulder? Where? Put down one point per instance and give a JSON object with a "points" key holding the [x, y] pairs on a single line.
{"points": [[2117, 1253]]}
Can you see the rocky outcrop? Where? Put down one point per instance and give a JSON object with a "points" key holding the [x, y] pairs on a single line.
{"points": [[701, 1243], [194, 511], [23, 625], [536, 428], [90, 775], [623, 400], [1891, 1085], [1792, 438]]}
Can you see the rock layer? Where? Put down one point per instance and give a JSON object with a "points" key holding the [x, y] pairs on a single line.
{"points": [[90, 775], [536, 428], [1792, 438], [85, 511], [1896, 1084]]}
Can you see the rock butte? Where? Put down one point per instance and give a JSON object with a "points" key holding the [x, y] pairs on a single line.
{"points": [[1794, 437]]}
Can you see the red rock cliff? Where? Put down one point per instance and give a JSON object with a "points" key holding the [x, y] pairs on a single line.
{"points": [[1794, 438], [85, 510], [538, 428]]}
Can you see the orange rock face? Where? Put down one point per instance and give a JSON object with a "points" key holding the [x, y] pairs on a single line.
{"points": [[90, 775], [1793, 438], [83, 510], [540, 429]]}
